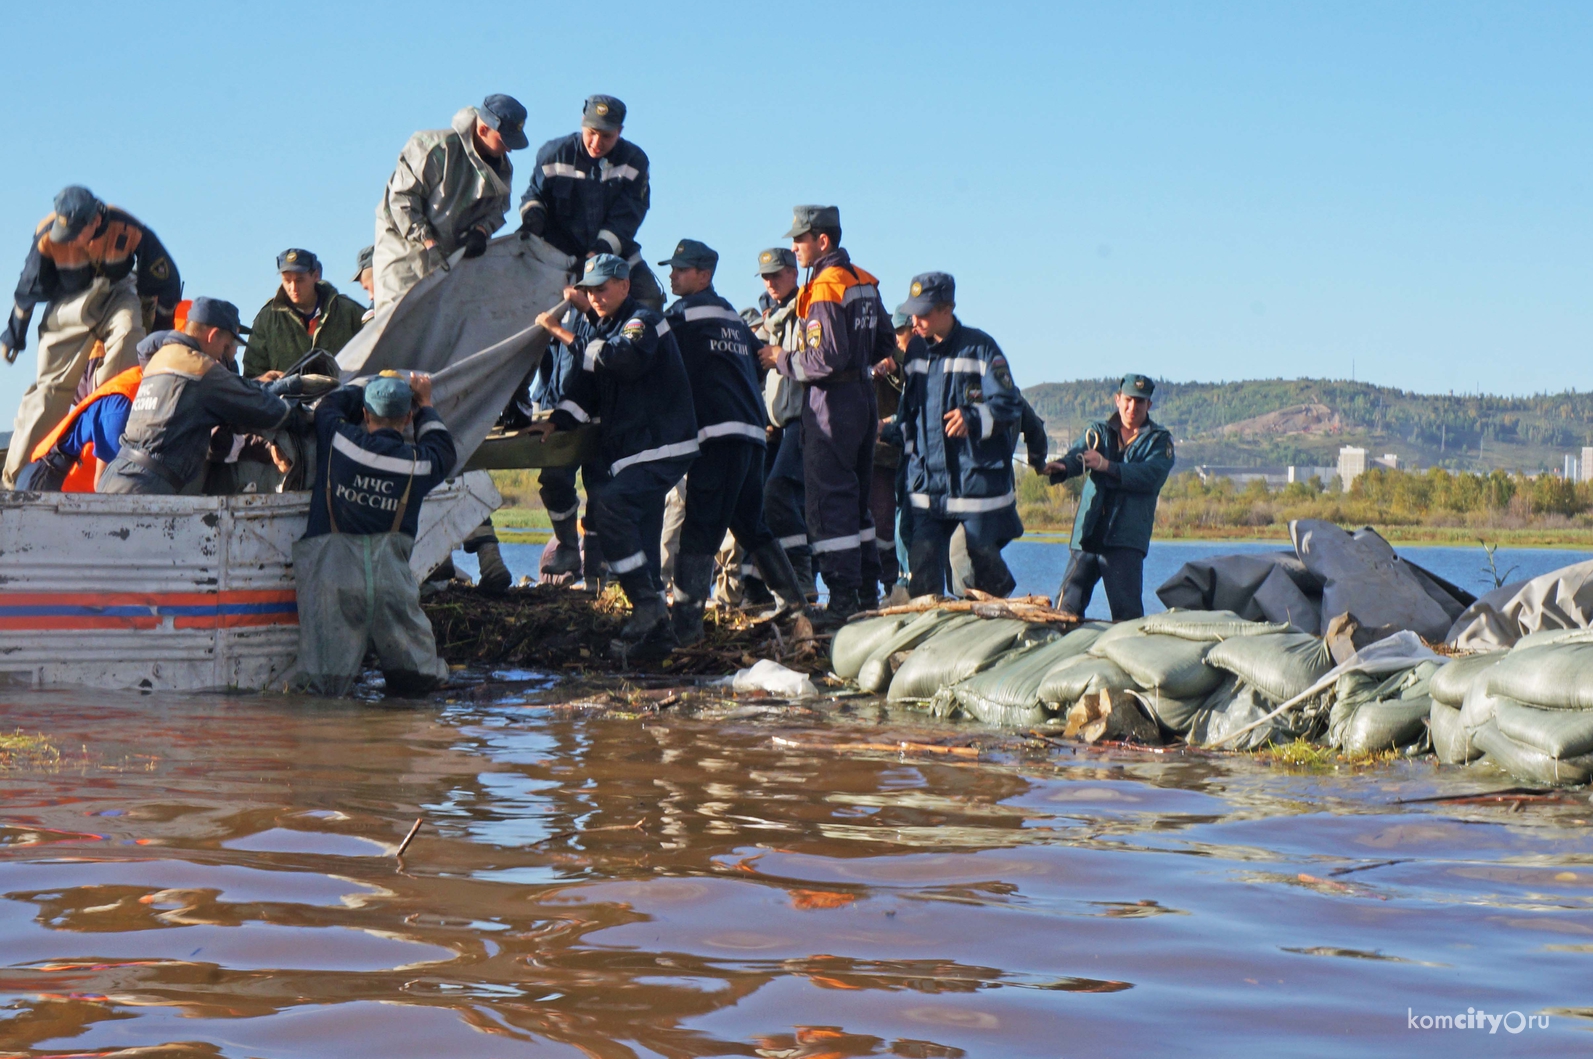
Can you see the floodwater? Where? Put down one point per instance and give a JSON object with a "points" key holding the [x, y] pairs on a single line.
{"points": [[214, 877]]}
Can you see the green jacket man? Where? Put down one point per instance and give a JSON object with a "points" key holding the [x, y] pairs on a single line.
{"points": [[1126, 460], [306, 313]]}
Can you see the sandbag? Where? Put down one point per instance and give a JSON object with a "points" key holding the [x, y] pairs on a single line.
{"points": [[1073, 678], [1553, 636], [1449, 738], [1477, 709], [1554, 677], [876, 673], [1169, 664], [855, 641], [1528, 764], [1280, 666], [953, 654], [1178, 715], [1209, 625], [1371, 714], [1557, 733], [1451, 682], [1116, 631], [1008, 693], [1211, 725]]}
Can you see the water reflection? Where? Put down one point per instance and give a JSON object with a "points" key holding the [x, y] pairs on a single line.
{"points": [[215, 876]]}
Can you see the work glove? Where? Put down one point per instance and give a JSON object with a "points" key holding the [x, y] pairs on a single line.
{"points": [[13, 338], [533, 221], [475, 242]]}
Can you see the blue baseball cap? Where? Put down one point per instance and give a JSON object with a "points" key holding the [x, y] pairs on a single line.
{"points": [[689, 253], [213, 312], [929, 289], [294, 259], [601, 269], [900, 320], [75, 207], [505, 116], [603, 113], [388, 395]]}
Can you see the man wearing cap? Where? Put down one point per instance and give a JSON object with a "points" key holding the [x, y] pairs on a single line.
{"points": [[450, 190], [356, 591], [189, 388], [82, 265], [589, 194], [631, 381], [959, 420], [1127, 459], [784, 499], [724, 489], [846, 330], [306, 313], [365, 276]]}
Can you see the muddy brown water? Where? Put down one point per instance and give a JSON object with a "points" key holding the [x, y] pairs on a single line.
{"points": [[213, 876]]}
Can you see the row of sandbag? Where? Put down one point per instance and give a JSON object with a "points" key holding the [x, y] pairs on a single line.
{"points": [[1528, 710], [1203, 675]]}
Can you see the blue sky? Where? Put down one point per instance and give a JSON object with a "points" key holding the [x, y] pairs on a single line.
{"points": [[1196, 190]]}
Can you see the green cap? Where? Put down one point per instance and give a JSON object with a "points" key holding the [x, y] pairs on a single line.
{"points": [[601, 269], [689, 253], [774, 260], [805, 219], [1136, 386]]}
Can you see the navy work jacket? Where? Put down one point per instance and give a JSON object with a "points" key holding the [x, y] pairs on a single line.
{"points": [[593, 204], [716, 345]]}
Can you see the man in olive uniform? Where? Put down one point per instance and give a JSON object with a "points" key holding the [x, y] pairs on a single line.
{"points": [[306, 313]]}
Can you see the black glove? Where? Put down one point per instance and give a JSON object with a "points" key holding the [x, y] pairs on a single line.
{"points": [[533, 221], [475, 242], [13, 338]]}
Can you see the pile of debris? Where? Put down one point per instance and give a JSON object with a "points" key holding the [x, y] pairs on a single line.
{"points": [[551, 627]]}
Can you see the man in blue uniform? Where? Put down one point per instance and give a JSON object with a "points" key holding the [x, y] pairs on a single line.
{"points": [[1127, 458], [724, 489], [959, 419], [356, 591], [589, 195], [846, 331], [631, 381]]}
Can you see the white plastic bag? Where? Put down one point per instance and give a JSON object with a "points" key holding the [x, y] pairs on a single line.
{"points": [[774, 679]]}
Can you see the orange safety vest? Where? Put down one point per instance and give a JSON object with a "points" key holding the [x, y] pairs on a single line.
{"points": [[84, 474], [831, 285]]}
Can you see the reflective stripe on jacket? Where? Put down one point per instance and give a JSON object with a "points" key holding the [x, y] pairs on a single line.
{"points": [[592, 204], [716, 347], [845, 325]]}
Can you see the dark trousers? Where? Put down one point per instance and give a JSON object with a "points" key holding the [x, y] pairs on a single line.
{"points": [[627, 513], [838, 428], [929, 559], [882, 505], [784, 498], [724, 491], [1121, 569]]}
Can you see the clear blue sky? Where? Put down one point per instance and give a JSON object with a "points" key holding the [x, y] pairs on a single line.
{"points": [[1194, 190]]}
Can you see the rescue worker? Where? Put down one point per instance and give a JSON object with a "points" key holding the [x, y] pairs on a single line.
{"points": [[845, 331], [724, 488], [449, 190], [569, 553], [631, 381], [589, 194], [356, 591], [306, 313], [1127, 458], [959, 420], [104, 278], [189, 388], [365, 276], [71, 457], [779, 326]]}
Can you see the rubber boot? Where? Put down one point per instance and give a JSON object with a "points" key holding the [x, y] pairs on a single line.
{"points": [[801, 560], [647, 632], [593, 568], [775, 566], [438, 579], [495, 579], [843, 604], [566, 556], [694, 579]]}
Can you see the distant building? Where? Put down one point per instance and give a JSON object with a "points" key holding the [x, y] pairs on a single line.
{"points": [[1573, 467], [1352, 464], [1275, 477], [1587, 464], [1305, 474], [1389, 460]]}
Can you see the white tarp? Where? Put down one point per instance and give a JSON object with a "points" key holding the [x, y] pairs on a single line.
{"points": [[472, 325], [1559, 599]]}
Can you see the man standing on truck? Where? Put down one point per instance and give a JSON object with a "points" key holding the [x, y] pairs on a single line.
{"points": [[189, 388], [449, 190], [103, 277], [1127, 458], [356, 591], [306, 312]]}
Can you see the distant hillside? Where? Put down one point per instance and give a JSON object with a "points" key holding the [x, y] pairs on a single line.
{"points": [[1305, 421]]}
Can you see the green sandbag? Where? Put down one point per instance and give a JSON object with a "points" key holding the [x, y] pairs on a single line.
{"points": [[1073, 678], [875, 673], [953, 654], [1380, 712], [1553, 677], [855, 641], [1178, 715], [1008, 693], [1449, 738], [1246, 706], [1387, 725], [1210, 625], [1280, 667], [1452, 680], [1557, 733], [1116, 631], [1169, 664], [1530, 765], [1553, 636], [1476, 711]]}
